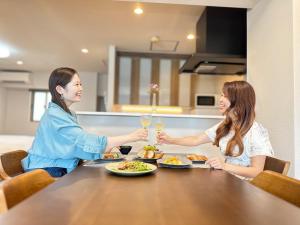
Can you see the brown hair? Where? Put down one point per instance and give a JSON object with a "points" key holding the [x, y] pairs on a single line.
{"points": [[60, 76], [240, 115]]}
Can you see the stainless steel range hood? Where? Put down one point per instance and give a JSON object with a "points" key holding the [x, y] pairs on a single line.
{"points": [[221, 43]]}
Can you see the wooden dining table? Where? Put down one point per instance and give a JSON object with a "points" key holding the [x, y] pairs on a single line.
{"points": [[91, 195]]}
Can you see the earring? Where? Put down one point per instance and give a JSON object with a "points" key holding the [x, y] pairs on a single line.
{"points": [[61, 97]]}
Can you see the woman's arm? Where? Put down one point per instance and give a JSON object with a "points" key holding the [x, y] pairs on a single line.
{"points": [[140, 134], [85, 145], [257, 166], [163, 138]]}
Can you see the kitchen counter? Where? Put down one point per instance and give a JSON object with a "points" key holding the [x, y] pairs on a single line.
{"points": [[178, 125]]}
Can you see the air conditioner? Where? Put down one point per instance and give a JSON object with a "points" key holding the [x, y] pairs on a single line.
{"points": [[14, 77]]}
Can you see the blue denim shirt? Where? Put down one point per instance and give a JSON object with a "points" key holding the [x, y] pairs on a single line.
{"points": [[61, 142]]}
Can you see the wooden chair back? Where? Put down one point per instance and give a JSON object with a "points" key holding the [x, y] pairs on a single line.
{"points": [[10, 163], [22, 186], [277, 165], [280, 185]]}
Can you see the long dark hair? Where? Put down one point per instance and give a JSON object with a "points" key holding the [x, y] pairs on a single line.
{"points": [[239, 116], [60, 76]]}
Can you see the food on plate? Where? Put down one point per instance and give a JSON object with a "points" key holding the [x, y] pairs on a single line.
{"points": [[112, 155], [195, 157], [150, 148], [158, 155], [172, 160], [133, 166], [150, 152], [130, 168]]}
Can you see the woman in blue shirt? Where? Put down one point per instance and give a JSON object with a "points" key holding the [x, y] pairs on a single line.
{"points": [[60, 142]]}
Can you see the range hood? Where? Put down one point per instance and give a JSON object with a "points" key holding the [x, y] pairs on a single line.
{"points": [[221, 43]]}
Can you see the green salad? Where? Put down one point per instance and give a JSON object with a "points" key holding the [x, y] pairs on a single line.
{"points": [[133, 166], [150, 148]]}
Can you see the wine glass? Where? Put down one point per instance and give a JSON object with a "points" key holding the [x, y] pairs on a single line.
{"points": [[159, 126], [146, 121]]}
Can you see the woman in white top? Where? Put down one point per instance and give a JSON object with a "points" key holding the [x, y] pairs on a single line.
{"points": [[244, 142]]}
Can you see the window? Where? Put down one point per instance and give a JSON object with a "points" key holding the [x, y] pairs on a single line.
{"points": [[39, 103]]}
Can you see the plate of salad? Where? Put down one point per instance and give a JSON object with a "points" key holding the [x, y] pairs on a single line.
{"points": [[130, 168]]}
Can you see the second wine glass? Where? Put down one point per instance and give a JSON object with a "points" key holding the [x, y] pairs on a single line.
{"points": [[159, 126]]}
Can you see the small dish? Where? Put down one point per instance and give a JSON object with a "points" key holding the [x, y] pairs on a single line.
{"points": [[149, 156], [125, 149], [199, 159], [114, 156]]}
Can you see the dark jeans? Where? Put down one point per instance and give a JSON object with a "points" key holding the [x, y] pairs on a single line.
{"points": [[53, 171]]}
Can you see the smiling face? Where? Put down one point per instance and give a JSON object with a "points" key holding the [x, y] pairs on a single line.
{"points": [[224, 103], [72, 91]]}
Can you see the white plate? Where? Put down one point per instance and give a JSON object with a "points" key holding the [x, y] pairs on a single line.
{"points": [[196, 161], [122, 157], [113, 168], [186, 163]]}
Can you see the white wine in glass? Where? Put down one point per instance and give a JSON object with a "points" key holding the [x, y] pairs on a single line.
{"points": [[159, 126], [146, 121]]}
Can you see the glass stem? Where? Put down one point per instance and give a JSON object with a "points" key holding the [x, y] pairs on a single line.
{"points": [[154, 103]]}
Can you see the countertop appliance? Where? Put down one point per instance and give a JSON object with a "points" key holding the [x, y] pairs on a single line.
{"points": [[206, 100]]}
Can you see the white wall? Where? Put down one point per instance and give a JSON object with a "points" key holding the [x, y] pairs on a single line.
{"points": [[296, 26], [111, 77], [270, 70], [18, 100], [102, 85], [17, 113], [2, 108], [212, 84]]}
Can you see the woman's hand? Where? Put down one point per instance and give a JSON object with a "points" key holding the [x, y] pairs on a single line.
{"points": [[163, 138], [139, 135], [216, 163]]}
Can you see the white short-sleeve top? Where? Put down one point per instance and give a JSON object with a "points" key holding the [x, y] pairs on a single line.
{"points": [[256, 142]]}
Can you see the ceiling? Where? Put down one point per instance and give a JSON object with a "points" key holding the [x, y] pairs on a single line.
{"points": [[51, 33], [222, 3]]}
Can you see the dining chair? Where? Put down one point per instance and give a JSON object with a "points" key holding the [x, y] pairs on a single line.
{"points": [[279, 185], [277, 165], [20, 187], [10, 163]]}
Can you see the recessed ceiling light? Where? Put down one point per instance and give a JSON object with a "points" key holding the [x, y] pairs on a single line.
{"points": [[190, 37], [19, 62], [4, 52], [84, 50], [138, 10]]}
